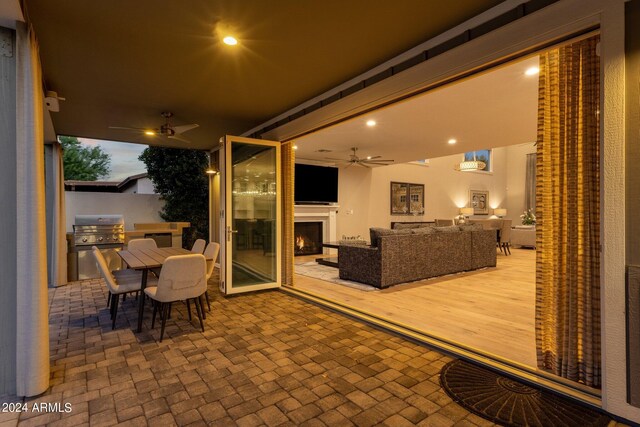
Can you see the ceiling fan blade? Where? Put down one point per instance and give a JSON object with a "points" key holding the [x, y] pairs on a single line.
{"points": [[373, 157], [379, 160], [179, 138], [128, 128], [376, 163], [364, 165], [184, 128]]}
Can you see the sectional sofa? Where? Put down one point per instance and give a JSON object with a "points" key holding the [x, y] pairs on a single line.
{"points": [[408, 254]]}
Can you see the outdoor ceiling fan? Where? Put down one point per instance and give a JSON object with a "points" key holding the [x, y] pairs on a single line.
{"points": [[167, 129], [365, 162]]}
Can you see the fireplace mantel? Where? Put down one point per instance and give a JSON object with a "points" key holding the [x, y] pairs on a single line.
{"points": [[324, 213]]}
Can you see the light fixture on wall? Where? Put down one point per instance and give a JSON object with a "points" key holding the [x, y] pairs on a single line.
{"points": [[470, 165], [500, 212], [211, 170]]}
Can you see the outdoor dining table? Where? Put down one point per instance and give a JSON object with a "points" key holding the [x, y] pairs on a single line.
{"points": [[145, 260]]}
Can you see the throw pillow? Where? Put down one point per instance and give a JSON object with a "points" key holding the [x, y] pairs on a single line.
{"points": [[447, 229]]}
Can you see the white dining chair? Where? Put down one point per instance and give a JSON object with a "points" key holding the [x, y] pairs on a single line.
{"points": [[211, 254], [146, 243], [198, 246], [125, 282], [182, 278]]}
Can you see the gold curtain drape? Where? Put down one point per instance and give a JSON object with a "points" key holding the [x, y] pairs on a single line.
{"points": [[287, 166], [568, 213]]}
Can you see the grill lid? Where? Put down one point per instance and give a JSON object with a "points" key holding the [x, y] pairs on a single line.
{"points": [[99, 220]]}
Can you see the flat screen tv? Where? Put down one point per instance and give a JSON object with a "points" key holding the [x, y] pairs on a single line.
{"points": [[315, 184]]}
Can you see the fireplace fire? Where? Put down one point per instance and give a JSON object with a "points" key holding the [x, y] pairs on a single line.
{"points": [[308, 238]]}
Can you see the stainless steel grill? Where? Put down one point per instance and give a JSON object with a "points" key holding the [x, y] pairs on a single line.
{"points": [[98, 230], [104, 231]]}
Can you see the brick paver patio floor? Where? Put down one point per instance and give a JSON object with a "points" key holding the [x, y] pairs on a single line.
{"points": [[264, 359]]}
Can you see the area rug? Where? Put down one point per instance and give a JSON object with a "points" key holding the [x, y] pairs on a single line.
{"points": [[329, 274], [511, 403]]}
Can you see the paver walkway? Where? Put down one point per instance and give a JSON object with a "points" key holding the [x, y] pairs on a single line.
{"points": [[264, 359]]}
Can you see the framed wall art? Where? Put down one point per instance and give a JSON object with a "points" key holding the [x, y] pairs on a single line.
{"points": [[407, 199], [416, 199], [479, 201]]}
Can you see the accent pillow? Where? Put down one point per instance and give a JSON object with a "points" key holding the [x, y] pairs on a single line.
{"points": [[447, 229], [423, 230]]}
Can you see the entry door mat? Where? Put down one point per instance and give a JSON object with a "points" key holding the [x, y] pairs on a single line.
{"points": [[511, 403]]}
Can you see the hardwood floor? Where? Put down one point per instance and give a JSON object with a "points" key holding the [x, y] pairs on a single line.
{"points": [[490, 310]]}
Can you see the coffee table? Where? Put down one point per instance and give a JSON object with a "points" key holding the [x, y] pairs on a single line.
{"points": [[333, 260]]}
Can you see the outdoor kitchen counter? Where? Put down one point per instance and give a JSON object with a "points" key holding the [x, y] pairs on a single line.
{"points": [[158, 228]]}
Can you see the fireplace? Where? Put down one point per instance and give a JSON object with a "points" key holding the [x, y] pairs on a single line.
{"points": [[308, 238]]}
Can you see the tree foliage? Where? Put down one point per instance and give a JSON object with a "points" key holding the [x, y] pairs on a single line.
{"points": [[83, 163], [178, 176]]}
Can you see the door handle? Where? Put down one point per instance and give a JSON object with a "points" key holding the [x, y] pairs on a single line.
{"points": [[230, 233]]}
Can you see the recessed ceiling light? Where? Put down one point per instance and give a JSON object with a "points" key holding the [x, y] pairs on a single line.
{"points": [[368, 157], [371, 123], [532, 71], [295, 147], [452, 141], [230, 40], [149, 132]]}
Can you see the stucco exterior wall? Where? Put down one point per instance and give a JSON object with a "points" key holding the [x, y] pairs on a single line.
{"points": [[136, 208]]}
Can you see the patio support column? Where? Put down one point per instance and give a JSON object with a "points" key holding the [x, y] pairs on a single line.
{"points": [[8, 212]]}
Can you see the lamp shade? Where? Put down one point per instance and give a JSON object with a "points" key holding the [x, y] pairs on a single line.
{"points": [[466, 211], [500, 212]]}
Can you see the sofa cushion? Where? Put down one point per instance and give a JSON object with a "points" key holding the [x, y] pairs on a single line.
{"points": [[447, 229], [470, 227], [423, 230], [376, 233]]}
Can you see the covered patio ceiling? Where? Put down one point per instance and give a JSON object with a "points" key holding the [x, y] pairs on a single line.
{"points": [[121, 63]]}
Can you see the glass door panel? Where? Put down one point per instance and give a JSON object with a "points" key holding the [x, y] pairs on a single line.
{"points": [[252, 214]]}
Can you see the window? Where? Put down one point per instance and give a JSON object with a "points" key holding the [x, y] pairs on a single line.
{"points": [[481, 155]]}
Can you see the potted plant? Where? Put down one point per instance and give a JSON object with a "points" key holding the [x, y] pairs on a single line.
{"points": [[528, 218]]}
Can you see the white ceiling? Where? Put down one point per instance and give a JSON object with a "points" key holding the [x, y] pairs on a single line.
{"points": [[494, 109]]}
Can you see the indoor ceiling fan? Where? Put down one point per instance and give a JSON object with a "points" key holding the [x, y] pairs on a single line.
{"points": [[364, 161], [167, 129]]}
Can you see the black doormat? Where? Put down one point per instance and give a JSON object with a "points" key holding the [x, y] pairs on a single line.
{"points": [[511, 403]]}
